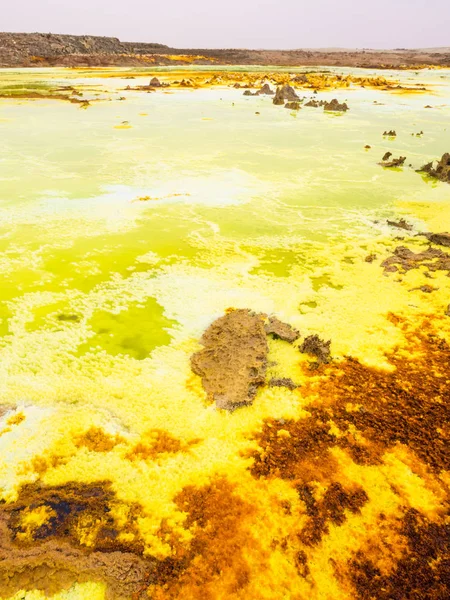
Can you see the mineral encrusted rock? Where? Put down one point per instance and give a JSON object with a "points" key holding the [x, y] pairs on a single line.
{"points": [[400, 224], [442, 239], [155, 82], [395, 162], [233, 362], [281, 330], [292, 105], [283, 93], [334, 106], [317, 347], [442, 170], [405, 259]]}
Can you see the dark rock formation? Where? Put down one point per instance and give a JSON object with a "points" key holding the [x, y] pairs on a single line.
{"points": [[401, 224], [370, 258], [281, 330], [390, 133], [442, 239], [442, 170], [317, 347], [266, 90], [334, 106], [250, 93], [404, 259], [292, 105], [315, 103], [386, 156], [395, 162], [285, 92], [283, 382], [155, 82]]}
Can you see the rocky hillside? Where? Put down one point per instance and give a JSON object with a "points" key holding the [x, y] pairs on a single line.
{"points": [[26, 49], [47, 49]]}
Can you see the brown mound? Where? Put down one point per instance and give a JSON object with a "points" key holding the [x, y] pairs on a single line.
{"points": [[281, 330], [442, 239], [317, 347], [405, 259], [233, 363], [334, 106]]}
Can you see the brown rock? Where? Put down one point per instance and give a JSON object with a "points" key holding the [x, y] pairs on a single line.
{"points": [[442, 170], [403, 258], [286, 92], [442, 239], [233, 362], [318, 348], [401, 224], [266, 90], [281, 330], [390, 133], [395, 162], [155, 82], [292, 105], [283, 382], [370, 258], [387, 156], [334, 106]]}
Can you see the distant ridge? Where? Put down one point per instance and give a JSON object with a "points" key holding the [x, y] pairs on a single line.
{"points": [[49, 49]]}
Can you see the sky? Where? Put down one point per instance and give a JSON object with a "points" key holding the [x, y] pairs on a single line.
{"points": [[279, 24]]}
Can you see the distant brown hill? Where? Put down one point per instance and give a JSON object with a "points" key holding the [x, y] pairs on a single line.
{"points": [[47, 49]]}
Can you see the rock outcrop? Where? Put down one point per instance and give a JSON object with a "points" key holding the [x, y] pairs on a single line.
{"points": [[317, 347], [281, 330], [285, 93], [266, 90], [404, 259], [441, 171], [334, 106], [442, 239], [292, 105], [390, 133], [395, 162], [233, 361]]}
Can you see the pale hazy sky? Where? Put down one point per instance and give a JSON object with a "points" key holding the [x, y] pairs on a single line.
{"points": [[241, 23]]}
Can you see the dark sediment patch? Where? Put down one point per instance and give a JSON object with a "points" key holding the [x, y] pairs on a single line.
{"points": [[329, 509], [215, 559], [371, 410], [422, 571], [404, 259], [76, 539], [158, 442]]}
